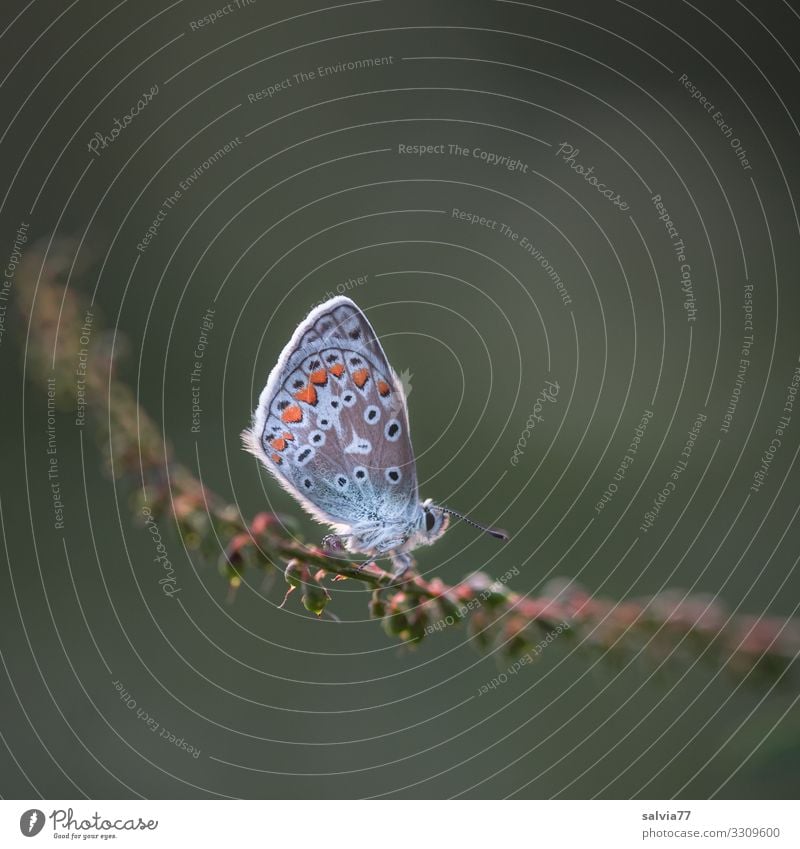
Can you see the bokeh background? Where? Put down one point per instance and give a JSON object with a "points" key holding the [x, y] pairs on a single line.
{"points": [[317, 192]]}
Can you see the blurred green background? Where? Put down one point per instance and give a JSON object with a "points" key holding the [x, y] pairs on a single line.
{"points": [[317, 193]]}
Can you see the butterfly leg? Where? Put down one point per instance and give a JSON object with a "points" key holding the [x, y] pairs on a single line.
{"points": [[402, 563]]}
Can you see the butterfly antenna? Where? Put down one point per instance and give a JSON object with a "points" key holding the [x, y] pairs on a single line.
{"points": [[497, 533]]}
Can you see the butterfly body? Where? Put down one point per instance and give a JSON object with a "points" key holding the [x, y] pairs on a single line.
{"points": [[332, 426]]}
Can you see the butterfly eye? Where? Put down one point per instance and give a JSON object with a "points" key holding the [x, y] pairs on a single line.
{"points": [[430, 520]]}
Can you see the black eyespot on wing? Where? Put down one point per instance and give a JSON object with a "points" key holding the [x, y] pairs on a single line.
{"points": [[361, 474], [331, 358], [392, 430], [355, 361], [282, 405], [304, 454], [334, 404], [430, 520], [308, 483], [392, 474], [314, 364], [298, 384], [355, 334]]}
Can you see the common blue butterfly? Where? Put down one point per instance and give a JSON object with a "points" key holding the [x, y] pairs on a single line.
{"points": [[332, 426]]}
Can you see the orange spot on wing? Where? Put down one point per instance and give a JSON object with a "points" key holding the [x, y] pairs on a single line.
{"points": [[360, 377], [276, 459], [337, 370], [308, 394], [320, 377], [278, 444], [288, 436], [383, 388], [292, 414]]}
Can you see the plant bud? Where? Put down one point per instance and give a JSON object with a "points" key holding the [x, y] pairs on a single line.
{"points": [[395, 623], [315, 598], [377, 608]]}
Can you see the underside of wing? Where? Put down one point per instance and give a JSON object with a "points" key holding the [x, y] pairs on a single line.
{"points": [[331, 423]]}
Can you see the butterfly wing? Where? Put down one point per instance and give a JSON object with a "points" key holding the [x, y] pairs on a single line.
{"points": [[332, 426]]}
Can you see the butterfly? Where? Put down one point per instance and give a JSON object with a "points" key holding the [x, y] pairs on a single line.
{"points": [[332, 426]]}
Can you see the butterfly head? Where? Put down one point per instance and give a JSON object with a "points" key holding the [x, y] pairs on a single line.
{"points": [[435, 519]]}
